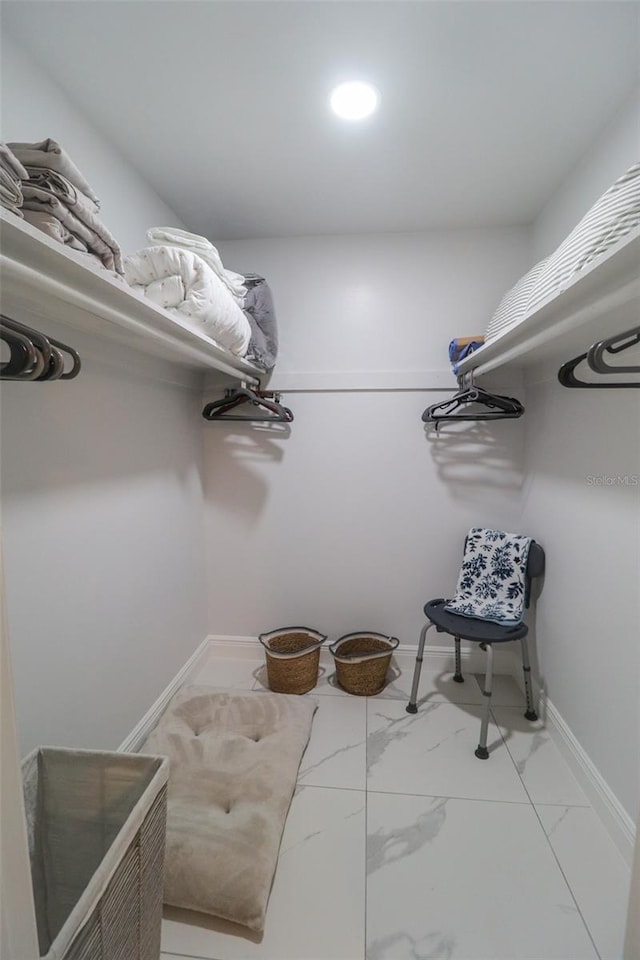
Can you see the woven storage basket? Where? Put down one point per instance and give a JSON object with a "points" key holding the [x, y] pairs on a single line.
{"points": [[293, 656], [362, 661], [96, 824]]}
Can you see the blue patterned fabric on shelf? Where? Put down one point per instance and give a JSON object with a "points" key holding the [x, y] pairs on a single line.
{"points": [[461, 347], [491, 585]]}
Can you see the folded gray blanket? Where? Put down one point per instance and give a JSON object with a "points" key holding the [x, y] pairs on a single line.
{"points": [[94, 239], [259, 311], [54, 229], [59, 186], [11, 175], [10, 193], [76, 213], [52, 186], [48, 153], [11, 163]]}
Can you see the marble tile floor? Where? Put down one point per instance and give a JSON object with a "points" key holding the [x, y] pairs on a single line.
{"points": [[401, 845]]}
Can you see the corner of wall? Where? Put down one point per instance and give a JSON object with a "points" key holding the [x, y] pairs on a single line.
{"points": [[615, 148]]}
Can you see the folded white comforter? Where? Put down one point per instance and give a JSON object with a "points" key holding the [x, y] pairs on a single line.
{"points": [[181, 282], [173, 237]]}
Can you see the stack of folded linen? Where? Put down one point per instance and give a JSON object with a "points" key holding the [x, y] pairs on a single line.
{"points": [[59, 201], [183, 273], [12, 173]]}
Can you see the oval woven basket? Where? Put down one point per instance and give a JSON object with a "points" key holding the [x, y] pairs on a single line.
{"points": [[362, 661], [292, 657]]}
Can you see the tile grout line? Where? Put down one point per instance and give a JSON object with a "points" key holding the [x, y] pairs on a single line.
{"points": [[549, 844], [317, 786], [451, 796], [186, 956]]}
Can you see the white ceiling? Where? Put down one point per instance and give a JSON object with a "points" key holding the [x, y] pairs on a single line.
{"points": [[222, 106]]}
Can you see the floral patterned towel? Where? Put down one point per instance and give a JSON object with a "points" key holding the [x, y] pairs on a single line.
{"points": [[491, 585]]}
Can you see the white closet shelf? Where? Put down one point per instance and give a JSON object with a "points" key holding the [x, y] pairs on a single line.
{"points": [[42, 279], [603, 299]]}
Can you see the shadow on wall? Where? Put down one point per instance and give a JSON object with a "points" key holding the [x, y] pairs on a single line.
{"points": [[93, 431], [468, 455], [591, 438], [234, 485]]}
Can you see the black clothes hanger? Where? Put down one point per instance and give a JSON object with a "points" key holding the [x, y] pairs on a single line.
{"points": [[76, 363], [49, 361], [24, 363], [218, 409], [596, 361], [615, 344], [567, 378], [498, 407]]}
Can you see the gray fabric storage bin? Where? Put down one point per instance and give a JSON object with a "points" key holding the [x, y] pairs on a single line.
{"points": [[96, 824]]}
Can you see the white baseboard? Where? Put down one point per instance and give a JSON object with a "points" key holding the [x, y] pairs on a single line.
{"points": [[616, 820], [141, 731], [435, 657], [237, 648]]}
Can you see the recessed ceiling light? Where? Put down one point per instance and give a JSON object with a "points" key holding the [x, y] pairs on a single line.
{"points": [[354, 101]]}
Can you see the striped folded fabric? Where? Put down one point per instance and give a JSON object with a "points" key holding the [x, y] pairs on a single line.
{"points": [[515, 303], [611, 218]]}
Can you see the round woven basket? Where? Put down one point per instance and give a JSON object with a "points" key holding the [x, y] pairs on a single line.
{"points": [[292, 656], [362, 661]]}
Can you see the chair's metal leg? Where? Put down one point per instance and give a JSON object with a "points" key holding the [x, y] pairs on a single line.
{"points": [[458, 674], [412, 706], [531, 713], [482, 753]]}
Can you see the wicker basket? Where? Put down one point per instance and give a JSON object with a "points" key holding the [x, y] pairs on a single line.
{"points": [[96, 824], [293, 655], [362, 661]]}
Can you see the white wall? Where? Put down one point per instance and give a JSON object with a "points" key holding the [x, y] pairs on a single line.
{"points": [[351, 518], [101, 491], [101, 516], [613, 152], [588, 623], [381, 302], [34, 108], [588, 617]]}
